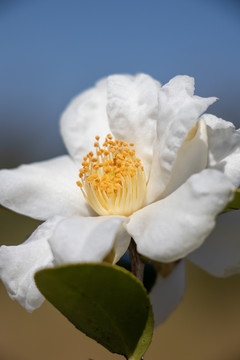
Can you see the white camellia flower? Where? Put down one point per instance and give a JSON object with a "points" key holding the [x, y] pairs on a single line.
{"points": [[144, 163]]}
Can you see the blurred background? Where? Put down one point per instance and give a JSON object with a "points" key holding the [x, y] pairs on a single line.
{"points": [[50, 50]]}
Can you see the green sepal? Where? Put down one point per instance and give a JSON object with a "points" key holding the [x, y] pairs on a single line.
{"points": [[235, 203], [105, 302]]}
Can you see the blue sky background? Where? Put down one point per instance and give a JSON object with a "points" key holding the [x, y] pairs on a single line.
{"points": [[50, 50]]}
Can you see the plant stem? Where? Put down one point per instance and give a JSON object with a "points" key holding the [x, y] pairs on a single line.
{"points": [[137, 266]]}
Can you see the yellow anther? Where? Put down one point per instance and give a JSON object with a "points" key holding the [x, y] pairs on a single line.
{"points": [[90, 178], [116, 185], [107, 170], [131, 144], [79, 184], [85, 163]]}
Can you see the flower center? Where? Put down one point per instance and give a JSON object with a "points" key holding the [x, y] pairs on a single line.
{"points": [[113, 180]]}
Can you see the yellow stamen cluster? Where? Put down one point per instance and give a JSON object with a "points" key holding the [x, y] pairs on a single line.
{"points": [[113, 180]]}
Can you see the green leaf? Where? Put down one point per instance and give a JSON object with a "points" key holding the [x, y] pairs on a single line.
{"points": [[235, 203], [105, 302]]}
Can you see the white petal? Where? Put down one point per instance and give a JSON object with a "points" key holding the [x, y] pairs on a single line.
{"points": [[44, 189], [121, 244], [220, 253], [87, 239], [167, 293], [84, 118], [179, 110], [133, 109], [18, 265], [192, 158], [224, 147], [173, 227]]}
